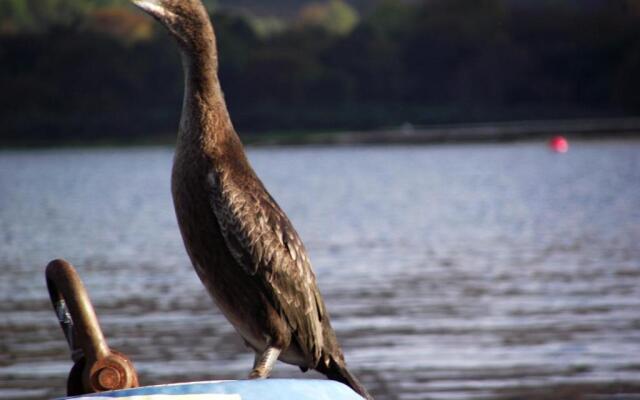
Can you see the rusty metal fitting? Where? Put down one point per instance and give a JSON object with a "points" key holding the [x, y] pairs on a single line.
{"points": [[97, 367], [113, 372]]}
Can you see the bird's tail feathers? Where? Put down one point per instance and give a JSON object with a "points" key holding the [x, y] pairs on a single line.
{"points": [[338, 371]]}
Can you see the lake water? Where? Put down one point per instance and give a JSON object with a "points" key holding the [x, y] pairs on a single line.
{"points": [[450, 271]]}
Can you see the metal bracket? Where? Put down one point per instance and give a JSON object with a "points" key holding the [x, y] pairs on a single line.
{"points": [[97, 368]]}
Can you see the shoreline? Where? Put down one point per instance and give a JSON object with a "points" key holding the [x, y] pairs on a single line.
{"points": [[407, 134], [490, 132]]}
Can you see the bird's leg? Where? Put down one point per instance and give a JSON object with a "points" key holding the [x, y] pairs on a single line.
{"points": [[264, 363]]}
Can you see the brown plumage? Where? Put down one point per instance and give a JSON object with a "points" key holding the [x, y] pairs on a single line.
{"points": [[242, 245]]}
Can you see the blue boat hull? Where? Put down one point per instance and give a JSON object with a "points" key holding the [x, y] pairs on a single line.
{"points": [[267, 389]]}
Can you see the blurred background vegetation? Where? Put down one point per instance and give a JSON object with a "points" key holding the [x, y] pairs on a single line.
{"points": [[100, 70]]}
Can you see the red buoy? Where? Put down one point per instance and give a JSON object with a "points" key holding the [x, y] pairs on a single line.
{"points": [[559, 144]]}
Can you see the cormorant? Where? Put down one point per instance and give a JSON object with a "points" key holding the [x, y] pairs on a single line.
{"points": [[242, 245]]}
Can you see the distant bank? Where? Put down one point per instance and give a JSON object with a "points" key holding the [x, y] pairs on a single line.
{"points": [[461, 133], [406, 134]]}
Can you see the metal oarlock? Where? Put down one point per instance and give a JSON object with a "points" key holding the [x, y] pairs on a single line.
{"points": [[96, 368]]}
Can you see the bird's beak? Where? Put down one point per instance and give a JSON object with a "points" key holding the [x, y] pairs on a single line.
{"points": [[153, 8]]}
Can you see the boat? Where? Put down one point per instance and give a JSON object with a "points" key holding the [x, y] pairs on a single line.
{"points": [[264, 389]]}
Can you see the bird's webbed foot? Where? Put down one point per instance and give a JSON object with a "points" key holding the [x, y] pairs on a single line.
{"points": [[264, 363]]}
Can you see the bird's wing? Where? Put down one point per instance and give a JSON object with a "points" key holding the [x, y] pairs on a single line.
{"points": [[264, 243]]}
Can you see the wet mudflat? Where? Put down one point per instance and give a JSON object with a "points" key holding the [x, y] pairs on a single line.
{"points": [[450, 272]]}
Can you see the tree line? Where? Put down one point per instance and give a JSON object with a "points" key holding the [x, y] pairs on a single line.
{"points": [[110, 73]]}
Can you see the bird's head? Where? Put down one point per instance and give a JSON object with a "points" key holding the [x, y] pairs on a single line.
{"points": [[187, 20]]}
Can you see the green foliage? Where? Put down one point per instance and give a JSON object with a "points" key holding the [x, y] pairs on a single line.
{"points": [[334, 16], [391, 16], [435, 61], [266, 27], [38, 15]]}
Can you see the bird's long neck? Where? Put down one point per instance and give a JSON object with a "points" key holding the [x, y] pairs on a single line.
{"points": [[205, 121]]}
